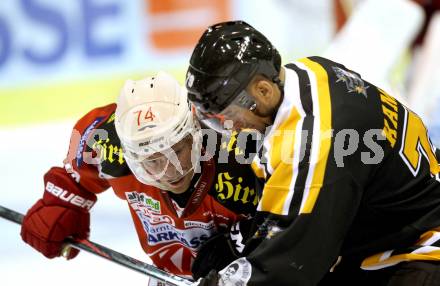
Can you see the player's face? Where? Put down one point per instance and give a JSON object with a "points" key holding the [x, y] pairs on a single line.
{"points": [[172, 167]]}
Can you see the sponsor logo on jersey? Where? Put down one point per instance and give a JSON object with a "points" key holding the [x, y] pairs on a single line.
{"points": [[66, 196], [199, 224], [141, 200], [83, 140], [352, 81], [230, 188], [149, 219], [109, 152], [185, 237], [161, 230], [159, 219]]}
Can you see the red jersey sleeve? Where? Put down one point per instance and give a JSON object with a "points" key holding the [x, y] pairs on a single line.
{"points": [[83, 161]]}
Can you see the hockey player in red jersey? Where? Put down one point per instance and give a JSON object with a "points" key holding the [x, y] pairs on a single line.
{"points": [[148, 148], [351, 186]]}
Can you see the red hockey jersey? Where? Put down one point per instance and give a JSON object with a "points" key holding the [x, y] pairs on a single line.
{"points": [[171, 235]]}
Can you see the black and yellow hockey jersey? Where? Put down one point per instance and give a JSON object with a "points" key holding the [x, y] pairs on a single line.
{"points": [[348, 171]]}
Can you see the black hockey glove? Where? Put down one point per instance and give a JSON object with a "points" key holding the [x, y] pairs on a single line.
{"points": [[221, 249], [210, 280], [215, 253]]}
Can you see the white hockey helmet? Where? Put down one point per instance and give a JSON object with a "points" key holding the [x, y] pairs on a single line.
{"points": [[152, 115]]}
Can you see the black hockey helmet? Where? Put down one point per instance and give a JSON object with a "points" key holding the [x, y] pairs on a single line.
{"points": [[224, 61]]}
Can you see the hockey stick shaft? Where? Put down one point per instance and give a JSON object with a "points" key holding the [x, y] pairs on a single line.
{"points": [[108, 254]]}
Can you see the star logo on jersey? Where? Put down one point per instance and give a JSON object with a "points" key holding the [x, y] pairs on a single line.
{"points": [[353, 82], [268, 229]]}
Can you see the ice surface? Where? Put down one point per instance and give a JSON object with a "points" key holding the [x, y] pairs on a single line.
{"points": [[26, 154]]}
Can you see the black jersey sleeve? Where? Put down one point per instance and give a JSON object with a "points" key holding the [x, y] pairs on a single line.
{"points": [[235, 183], [348, 171]]}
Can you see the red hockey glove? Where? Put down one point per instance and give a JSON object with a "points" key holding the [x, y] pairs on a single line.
{"points": [[62, 212]]}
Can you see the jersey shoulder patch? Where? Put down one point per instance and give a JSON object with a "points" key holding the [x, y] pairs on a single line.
{"points": [[106, 146], [235, 183]]}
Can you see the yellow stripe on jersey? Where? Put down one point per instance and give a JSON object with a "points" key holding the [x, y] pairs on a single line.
{"points": [[274, 196], [378, 262], [429, 235], [278, 187], [425, 249], [282, 142], [325, 120]]}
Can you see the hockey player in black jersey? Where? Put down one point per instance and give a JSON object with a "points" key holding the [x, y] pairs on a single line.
{"points": [[351, 191]]}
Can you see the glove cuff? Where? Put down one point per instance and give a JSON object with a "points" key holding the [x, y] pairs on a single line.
{"points": [[61, 189]]}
